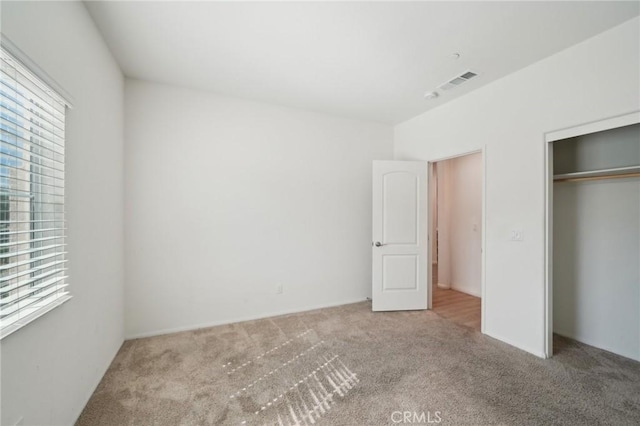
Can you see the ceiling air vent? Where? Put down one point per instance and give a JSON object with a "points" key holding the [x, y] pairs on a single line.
{"points": [[457, 81]]}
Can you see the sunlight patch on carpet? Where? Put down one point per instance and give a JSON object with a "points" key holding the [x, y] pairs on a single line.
{"points": [[296, 382]]}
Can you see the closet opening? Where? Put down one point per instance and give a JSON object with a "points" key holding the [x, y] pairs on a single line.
{"points": [[456, 247], [593, 236]]}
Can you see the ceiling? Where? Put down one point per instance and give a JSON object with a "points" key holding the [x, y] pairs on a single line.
{"points": [[371, 61]]}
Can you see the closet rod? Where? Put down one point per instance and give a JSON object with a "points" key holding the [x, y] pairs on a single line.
{"points": [[581, 179], [602, 173]]}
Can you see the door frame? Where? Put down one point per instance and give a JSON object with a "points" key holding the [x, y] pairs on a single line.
{"points": [[483, 220], [550, 137]]}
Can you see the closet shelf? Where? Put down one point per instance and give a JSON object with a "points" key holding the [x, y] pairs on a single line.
{"points": [[619, 172]]}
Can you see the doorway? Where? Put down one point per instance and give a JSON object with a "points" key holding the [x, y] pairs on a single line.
{"points": [[456, 199], [401, 244]]}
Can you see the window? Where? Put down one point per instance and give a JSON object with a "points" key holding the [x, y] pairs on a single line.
{"points": [[33, 260]]}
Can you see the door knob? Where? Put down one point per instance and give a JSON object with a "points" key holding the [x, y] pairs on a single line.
{"points": [[378, 244]]}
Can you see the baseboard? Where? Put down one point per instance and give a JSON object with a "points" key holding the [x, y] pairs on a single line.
{"points": [[240, 319], [465, 291], [589, 342], [100, 377], [539, 354], [444, 286]]}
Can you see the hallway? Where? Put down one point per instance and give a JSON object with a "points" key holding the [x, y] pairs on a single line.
{"points": [[456, 306]]}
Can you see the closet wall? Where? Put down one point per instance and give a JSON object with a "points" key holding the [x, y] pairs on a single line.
{"points": [[596, 243]]}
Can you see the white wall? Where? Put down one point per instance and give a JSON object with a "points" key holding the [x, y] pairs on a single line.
{"points": [[226, 198], [590, 81], [443, 206], [463, 212], [596, 244], [51, 367], [433, 190]]}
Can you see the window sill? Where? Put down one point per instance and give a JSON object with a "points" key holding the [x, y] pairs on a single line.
{"points": [[32, 317]]}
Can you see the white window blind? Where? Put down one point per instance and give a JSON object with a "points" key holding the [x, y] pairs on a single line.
{"points": [[33, 260]]}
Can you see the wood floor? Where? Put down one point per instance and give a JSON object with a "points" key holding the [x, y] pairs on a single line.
{"points": [[458, 307]]}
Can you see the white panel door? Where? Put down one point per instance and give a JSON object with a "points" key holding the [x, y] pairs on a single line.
{"points": [[400, 235]]}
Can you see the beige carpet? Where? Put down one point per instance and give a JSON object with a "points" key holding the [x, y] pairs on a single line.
{"points": [[349, 366]]}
